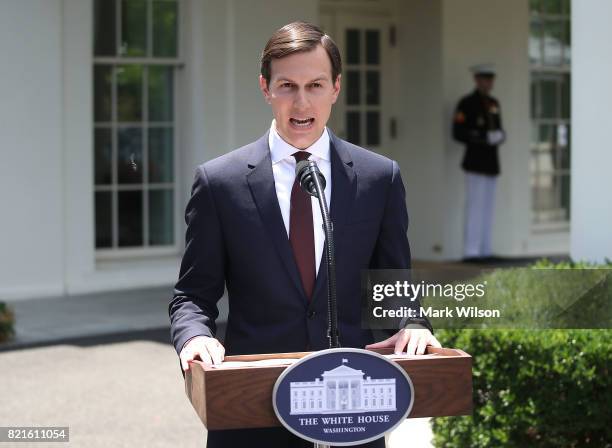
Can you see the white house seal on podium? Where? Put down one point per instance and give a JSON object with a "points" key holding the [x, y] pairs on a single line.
{"points": [[342, 396]]}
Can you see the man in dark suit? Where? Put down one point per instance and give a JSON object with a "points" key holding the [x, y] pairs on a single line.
{"points": [[253, 230], [477, 124]]}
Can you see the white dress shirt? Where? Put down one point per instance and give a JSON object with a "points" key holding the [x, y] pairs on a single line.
{"points": [[283, 169]]}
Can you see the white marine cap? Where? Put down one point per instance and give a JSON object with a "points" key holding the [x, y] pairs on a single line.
{"points": [[483, 69]]}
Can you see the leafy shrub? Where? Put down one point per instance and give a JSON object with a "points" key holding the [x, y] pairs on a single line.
{"points": [[535, 388], [547, 388]]}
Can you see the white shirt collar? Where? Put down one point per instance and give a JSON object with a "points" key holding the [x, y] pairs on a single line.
{"points": [[280, 149]]}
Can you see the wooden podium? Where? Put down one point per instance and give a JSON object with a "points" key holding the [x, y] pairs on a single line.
{"points": [[240, 396]]}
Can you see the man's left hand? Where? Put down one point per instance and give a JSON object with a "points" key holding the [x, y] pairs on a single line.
{"points": [[415, 339]]}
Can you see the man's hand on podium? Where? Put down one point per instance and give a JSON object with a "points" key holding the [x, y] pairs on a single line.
{"points": [[208, 349], [415, 339]]}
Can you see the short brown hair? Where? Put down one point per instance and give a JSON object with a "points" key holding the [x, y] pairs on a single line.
{"points": [[299, 37]]}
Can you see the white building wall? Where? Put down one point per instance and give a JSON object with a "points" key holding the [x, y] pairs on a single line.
{"points": [[31, 159], [419, 147], [591, 216], [438, 40], [495, 31]]}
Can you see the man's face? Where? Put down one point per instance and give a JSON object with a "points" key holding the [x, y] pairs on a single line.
{"points": [[484, 83], [301, 93]]}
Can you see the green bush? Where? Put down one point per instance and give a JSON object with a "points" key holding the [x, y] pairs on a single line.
{"points": [[547, 388], [535, 388], [6, 322]]}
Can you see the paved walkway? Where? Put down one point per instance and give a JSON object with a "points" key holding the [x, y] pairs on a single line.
{"points": [[116, 315]]}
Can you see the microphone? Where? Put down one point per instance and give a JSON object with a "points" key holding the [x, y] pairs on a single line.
{"points": [[312, 182], [305, 170]]}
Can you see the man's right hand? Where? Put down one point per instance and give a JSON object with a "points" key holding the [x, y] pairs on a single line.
{"points": [[208, 349]]}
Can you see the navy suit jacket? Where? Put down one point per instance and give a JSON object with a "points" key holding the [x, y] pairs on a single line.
{"points": [[236, 238]]}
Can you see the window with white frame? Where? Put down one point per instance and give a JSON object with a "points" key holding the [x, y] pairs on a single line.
{"points": [[550, 58], [136, 55], [363, 68]]}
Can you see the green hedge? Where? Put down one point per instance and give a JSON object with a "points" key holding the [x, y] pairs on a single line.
{"points": [[6, 322], [534, 388], [547, 388]]}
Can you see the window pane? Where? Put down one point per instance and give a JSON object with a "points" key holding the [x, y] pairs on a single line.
{"points": [[165, 23], [544, 193], [161, 152], [535, 5], [564, 186], [134, 27], [567, 42], [535, 113], [373, 87], [553, 42], [552, 6], [352, 46], [566, 6], [566, 106], [563, 147], [548, 98], [535, 42], [373, 128], [161, 217], [352, 87], [105, 28], [161, 94], [130, 218], [562, 135], [103, 219], [372, 46], [105, 31], [547, 138], [102, 93], [353, 129], [103, 156], [129, 93], [569, 144], [562, 158], [129, 157]]}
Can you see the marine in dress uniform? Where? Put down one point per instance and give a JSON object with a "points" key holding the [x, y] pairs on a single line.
{"points": [[477, 123]]}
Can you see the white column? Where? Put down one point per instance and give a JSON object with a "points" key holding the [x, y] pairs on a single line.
{"points": [[337, 403], [325, 395], [591, 183]]}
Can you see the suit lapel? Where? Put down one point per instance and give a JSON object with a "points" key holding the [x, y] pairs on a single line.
{"points": [[261, 183], [344, 187]]}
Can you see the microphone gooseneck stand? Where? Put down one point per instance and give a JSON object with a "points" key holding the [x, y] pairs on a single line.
{"points": [[313, 182]]}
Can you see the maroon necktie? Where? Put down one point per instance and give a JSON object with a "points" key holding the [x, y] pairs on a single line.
{"points": [[301, 231]]}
